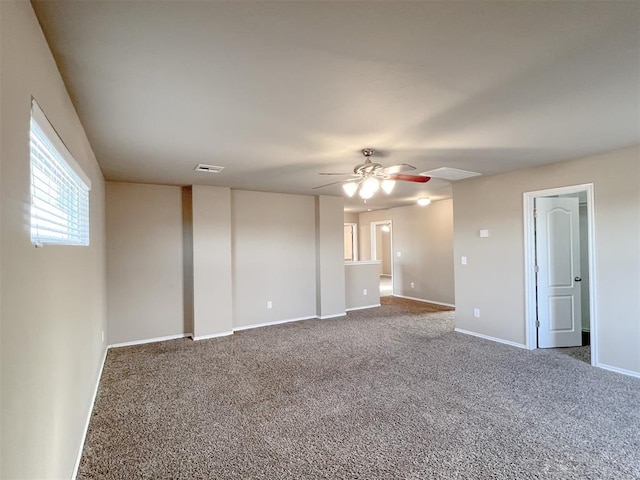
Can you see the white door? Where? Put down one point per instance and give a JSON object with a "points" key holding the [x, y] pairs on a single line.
{"points": [[558, 277]]}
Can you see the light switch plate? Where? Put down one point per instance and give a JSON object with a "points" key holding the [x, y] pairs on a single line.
{"points": [[484, 233]]}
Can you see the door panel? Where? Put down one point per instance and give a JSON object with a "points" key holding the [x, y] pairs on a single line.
{"points": [[558, 262], [561, 314]]}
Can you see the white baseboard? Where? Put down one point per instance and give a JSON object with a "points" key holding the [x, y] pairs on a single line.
{"points": [[623, 371], [425, 301], [324, 317], [149, 340], [493, 339], [361, 308], [86, 425], [211, 335], [276, 322]]}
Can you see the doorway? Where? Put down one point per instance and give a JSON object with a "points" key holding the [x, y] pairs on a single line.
{"points": [[560, 270], [350, 242], [381, 249]]}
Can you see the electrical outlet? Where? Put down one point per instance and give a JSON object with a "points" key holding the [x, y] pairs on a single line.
{"points": [[413, 285], [269, 304], [364, 291], [463, 260], [476, 312], [398, 254]]}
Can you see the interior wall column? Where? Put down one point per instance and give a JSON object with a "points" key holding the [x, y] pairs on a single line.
{"points": [[212, 268], [330, 289]]}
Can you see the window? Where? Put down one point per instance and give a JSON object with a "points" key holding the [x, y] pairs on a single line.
{"points": [[59, 188]]}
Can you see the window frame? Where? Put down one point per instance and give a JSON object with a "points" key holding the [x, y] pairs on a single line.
{"points": [[59, 188]]}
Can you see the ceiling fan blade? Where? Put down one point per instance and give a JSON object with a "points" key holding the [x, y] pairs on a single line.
{"points": [[333, 173], [402, 167], [410, 178], [332, 183]]}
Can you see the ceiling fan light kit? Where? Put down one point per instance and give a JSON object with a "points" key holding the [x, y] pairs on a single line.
{"points": [[350, 188], [369, 177], [424, 201], [387, 185]]}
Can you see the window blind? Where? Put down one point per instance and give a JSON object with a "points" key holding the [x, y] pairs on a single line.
{"points": [[59, 188]]}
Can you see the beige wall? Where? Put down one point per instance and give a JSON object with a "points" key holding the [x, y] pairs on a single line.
{"points": [[424, 237], [493, 279], [361, 276], [246, 248], [584, 268], [212, 265], [274, 257], [383, 247], [330, 289], [350, 217], [144, 262], [52, 302]]}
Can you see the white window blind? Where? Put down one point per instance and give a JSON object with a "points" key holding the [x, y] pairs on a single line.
{"points": [[59, 188]]}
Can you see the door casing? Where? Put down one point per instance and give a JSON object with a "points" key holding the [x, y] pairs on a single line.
{"points": [[354, 239], [529, 263]]}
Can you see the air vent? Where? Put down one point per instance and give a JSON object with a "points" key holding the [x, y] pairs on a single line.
{"points": [[202, 167], [451, 174]]}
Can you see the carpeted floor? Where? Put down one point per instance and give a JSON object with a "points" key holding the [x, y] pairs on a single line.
{"points": [[581, 353], [388, 393]]}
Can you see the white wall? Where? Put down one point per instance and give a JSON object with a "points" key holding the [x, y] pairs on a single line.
{"points": [[52, 302], [144, 262], [493, 279], [424, 236]]}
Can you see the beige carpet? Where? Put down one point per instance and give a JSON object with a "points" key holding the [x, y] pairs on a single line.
{"points": [[387, 393]]}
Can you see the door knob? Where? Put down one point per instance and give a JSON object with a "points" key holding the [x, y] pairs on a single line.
{"points": [[577, 279]]}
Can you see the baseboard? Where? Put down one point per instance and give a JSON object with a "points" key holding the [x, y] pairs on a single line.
{"points": [[150, 340], [276, 322], [86, 425], [324, 317], [623, 371], [425, 301], [361, 308], [493, 339], [211, 335]]}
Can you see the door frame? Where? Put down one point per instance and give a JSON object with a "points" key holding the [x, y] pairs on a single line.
{"points": [[354, 239], [374, 248], [529, 263]]}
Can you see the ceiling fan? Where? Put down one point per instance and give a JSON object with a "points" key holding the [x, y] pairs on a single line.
{"points": [[369, 176]]}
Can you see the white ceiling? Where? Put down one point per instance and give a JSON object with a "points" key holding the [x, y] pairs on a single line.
{"points": [[279, 91]]}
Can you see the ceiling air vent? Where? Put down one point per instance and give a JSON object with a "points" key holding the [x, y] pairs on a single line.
{"points": [[451, 174], [202, 167]]}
